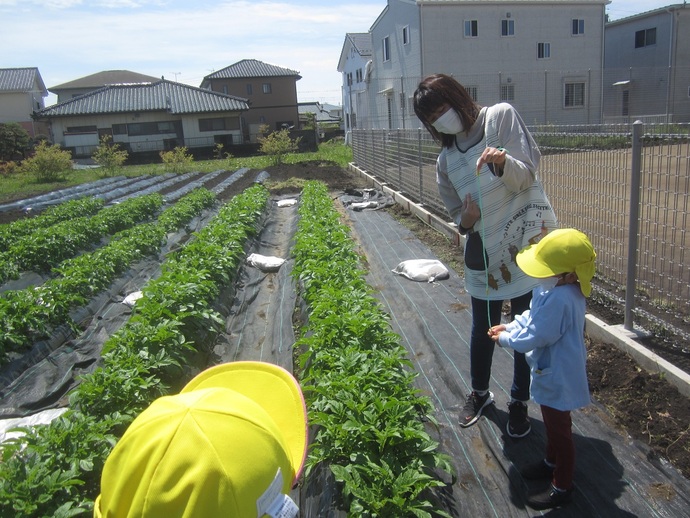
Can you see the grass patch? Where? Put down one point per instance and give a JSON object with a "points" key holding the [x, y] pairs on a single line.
{"points": [[17, 186], [291, 183]]}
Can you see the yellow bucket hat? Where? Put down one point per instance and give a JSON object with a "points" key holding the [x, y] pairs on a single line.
{"points": [[563, 250], [231, 443]]}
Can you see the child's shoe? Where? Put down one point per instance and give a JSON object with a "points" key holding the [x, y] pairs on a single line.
{"points": [[549, 497]]}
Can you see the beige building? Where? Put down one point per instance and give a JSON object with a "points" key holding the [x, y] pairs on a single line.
{"points": [[270, 90], [22, 92]]}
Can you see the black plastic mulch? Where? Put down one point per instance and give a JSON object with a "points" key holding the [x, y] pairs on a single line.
{"points": [[615, 476]]}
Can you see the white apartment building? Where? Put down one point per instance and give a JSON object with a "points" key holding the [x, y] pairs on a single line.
{"points": [[545, 57], [647, 66]]}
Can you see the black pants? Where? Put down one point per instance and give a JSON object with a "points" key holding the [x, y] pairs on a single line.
{"points": [[482, 347]]}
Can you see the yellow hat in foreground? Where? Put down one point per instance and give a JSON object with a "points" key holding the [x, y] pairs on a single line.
{"points": [[232, 443], [563, 250]]}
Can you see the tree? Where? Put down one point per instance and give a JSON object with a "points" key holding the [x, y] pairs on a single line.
{"points": [[277, 144], [109, 156], [15, 141], [49, 163], [310, 121], [177, 160]]}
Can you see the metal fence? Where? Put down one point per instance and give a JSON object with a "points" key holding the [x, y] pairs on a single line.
{"points": [[625, 186]]}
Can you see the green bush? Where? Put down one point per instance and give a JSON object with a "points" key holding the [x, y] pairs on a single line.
{"points": [[109, 156], [15, 142], [177, 160], [277, 144], [49, 163]]}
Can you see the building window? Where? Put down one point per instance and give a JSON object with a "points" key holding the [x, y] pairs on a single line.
{"points": [[471, 29], [645, 38], [574, 95], [386, 49], [507, 92], [137, 129], [406, 34], [249, 89], [266, 88], [578, 27], [507, 27], [71, 130], [359, 75], [225, 89], [349, 79], [625, 108], [543, 50], [472, 91], [219, 124]]}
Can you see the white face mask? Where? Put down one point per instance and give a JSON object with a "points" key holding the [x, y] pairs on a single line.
{"points": [[549, 283], [449, 123]]}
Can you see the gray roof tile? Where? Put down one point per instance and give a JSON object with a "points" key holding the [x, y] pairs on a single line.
{"points": [[162, 95], [252, 68], [20, 79], [106, 77]]}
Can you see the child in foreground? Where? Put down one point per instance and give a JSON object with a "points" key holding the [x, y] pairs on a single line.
{"points": [[551, 333], [232, 443]]}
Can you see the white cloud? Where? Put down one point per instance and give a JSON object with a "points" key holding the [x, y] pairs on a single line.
{"points": [[184, 39], [68, 39]]}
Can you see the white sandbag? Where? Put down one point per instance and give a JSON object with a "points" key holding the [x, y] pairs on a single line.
{"points": [[361, 205], [265, 263], [428, 270], [132, 298], [286, 203]]}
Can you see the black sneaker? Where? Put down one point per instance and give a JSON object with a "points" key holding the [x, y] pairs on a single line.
{"points": [[537, 471], [474, 405], [549, 497], [518, 422]]}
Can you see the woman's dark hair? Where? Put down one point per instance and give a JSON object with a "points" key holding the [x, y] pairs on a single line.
{"points": [[439, 89]]}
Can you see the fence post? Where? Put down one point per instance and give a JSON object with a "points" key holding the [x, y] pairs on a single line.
{"points": [[634, 223], [384, 138], [419, 161], [399, 163]]}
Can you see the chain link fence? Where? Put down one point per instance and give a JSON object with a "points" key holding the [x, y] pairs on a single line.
{"points": [[618, 189]]}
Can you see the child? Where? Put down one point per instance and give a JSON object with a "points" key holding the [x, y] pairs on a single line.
{"points": [[231, 443], [551, 333]]}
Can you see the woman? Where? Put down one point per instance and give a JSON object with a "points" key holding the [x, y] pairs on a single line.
{"points": [[486, 175]]}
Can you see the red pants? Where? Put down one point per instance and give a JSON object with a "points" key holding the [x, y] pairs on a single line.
{"points": [[560, 448]]}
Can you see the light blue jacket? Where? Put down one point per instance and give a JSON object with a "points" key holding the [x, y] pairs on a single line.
{"points": [[551, 334]]}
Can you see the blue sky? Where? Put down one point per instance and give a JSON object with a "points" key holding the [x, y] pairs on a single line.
{"points": [[186, 40]]}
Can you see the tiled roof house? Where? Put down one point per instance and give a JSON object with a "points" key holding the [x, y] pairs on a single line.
{"points": [[270, 90], [146, 117], [86, 84], [22, 91]]}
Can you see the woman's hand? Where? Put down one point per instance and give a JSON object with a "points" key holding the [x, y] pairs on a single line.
{"points": [[493, 155], [469, 213]]}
